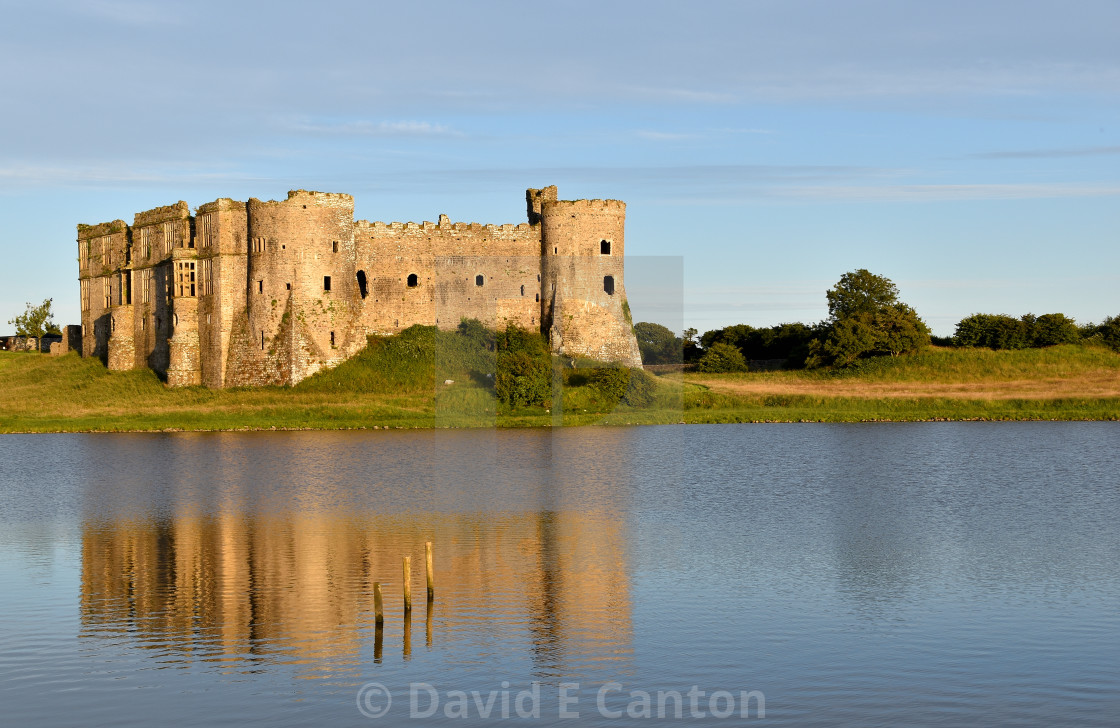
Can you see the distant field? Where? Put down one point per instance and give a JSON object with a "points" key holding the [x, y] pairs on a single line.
{"points": [[1056, 372], [40, 393]]}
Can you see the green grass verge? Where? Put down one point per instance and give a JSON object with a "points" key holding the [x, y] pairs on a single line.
{"points": [[398, 384]]}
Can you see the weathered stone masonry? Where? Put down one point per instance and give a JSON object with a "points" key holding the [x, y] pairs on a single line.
{"points": [[270, 292]]}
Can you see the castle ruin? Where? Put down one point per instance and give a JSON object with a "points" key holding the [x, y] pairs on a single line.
{"points": [[242, 294]]}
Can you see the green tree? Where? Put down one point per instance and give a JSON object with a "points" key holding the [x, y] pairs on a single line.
{"points": [[738, 335], [1110, 331], [849, 339], [860, 291], [658, 344], [866, 319], [36, 321], [898, 330], [1051, 329], [721, 357], [692, 350]]}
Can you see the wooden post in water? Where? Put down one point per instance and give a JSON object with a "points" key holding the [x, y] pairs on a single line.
{"points": [[431, 572], [378, 607], [407, 584], [428, 624]]}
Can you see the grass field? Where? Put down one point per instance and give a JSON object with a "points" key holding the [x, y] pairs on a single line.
{"points": [[382, 388]]}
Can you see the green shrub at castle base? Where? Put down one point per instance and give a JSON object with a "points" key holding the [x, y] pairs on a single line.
{"points": [[617, 384], [523, 380]]}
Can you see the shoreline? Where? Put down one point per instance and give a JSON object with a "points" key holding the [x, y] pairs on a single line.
{"points": [[502, 426], [44, 394]]}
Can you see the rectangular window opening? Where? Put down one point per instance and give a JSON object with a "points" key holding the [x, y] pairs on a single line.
{"points": [[326, 283]]}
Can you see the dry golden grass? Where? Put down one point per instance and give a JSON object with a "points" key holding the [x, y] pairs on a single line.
{"points": [[1093, 385], [1059, 372]]}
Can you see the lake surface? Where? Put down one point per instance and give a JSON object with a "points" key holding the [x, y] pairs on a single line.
{"points": [[882, 575]]}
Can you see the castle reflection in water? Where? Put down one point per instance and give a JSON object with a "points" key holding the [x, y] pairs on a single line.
{"points": [[299, 588]]}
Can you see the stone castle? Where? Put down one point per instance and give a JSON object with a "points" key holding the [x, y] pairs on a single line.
{"points": [[242, 294]]}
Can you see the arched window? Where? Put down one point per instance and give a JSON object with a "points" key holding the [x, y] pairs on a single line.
{"points": [[608, 285], [479, 280], [413, 281], [362, 284]]}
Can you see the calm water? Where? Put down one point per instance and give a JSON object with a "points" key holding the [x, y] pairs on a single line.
{"points": [[922, 574]]}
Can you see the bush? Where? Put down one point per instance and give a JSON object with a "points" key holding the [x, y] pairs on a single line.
{"points": [[1000, 331], [641, 390], [1110, 332], [523, 380], [788, 341], [524, 368], [475, 331], [614, 384], [611, 382], [1051, 329], [720, 357]]}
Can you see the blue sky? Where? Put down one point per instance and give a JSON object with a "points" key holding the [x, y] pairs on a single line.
{"points": [[970, 151]]}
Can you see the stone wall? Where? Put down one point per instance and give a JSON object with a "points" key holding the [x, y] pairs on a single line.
{"points": [[438, 273], [248, 294]]}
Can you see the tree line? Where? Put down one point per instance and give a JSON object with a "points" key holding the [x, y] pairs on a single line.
{"points": [[865, 319]]}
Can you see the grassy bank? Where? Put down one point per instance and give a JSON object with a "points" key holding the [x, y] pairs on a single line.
{"points": [[392, 385]]}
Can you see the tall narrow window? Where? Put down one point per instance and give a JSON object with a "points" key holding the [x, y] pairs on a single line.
{"points": [[260, 286], [185, 278], [326, 283], [334, 246], [608, 285], [604, 247], [332, 338], [413, 281], [522, 290], [479, 280], [362, 284]]}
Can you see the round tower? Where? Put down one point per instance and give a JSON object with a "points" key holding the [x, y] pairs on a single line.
{"points": [[583, 296], [301, 282]]}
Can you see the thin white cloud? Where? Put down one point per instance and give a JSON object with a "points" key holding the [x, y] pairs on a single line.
{"points": [[20, 175], [664, 136], [679, 94], [133, 12], [363, 128], [1048, 153], [945, 193]]}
